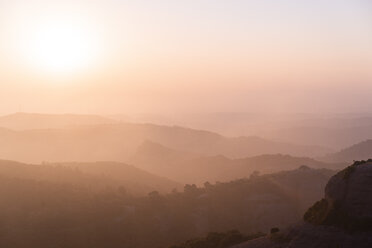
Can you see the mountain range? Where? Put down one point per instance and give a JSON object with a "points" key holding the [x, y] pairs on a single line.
{"points": [[97, 176], [195, 168], [361, 150], [119, 141]]}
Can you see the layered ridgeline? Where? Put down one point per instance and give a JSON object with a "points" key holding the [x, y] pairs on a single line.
{"points": [[362, 150], [119, 141], [28, 121], [330, 130], [334, 134], [343, 218], [194, 168], [58, 206], [95, 177]]}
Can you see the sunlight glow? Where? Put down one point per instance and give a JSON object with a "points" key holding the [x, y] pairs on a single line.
{"points": [[60, 46]]}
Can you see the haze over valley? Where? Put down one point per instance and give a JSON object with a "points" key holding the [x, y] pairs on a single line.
{"points": [[185, 124]]}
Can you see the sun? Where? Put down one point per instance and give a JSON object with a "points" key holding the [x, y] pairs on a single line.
{"points": [[60, 46]]}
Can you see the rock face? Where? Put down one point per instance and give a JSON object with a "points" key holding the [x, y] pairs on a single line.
{"points": [[310, 236], [348, 199], [351, 190], [342, 219]]}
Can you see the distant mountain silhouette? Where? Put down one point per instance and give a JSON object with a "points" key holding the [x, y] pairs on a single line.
{"points": [[331, 130], [96, 176], [362, 150], [25, 121], [118, 142], [154, 155], [195, 168], [330, 136]]}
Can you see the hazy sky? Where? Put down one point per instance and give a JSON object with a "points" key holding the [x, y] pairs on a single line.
{"points": [[114, 56]]}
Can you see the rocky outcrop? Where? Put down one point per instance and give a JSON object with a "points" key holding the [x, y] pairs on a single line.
{"points": [[352, 190], [348, 199], [342, 219], [310, 236]]}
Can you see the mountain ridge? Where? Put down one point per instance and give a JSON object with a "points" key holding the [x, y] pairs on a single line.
{"points": [[197, 168], [86, 143]]}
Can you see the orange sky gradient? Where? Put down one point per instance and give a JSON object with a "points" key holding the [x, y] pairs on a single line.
{"points": [[185, 56]]}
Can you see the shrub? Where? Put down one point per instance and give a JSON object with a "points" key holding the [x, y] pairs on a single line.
{"points": [[317, 214], [274, 230]]}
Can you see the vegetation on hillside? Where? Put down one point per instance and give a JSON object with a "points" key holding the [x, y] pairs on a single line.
{"points": [[48, 212], [333, 211], [218, 240]]}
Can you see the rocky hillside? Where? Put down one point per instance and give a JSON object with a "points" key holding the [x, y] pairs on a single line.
{"points": [[342, 219]]}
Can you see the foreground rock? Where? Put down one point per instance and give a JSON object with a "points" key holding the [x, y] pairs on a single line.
{"points": [[342, 219]]}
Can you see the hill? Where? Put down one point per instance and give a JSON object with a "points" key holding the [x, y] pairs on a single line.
{"points": [[118, 142], [335, 130], [95, 176], [195, 168], [362, 150], [332, 135], [26, 121], [343, 218], [59, 206]]}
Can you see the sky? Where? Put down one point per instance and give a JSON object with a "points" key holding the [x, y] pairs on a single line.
{"points": [[185, 56]]}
